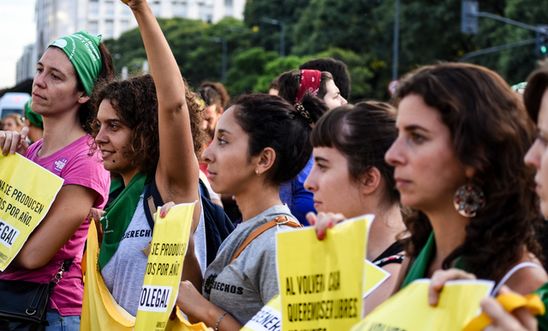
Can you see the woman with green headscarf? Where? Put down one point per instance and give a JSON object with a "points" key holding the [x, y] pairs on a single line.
{"points": [[63, 83]]}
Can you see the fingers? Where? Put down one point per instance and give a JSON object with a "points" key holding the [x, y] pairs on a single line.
{"points": [[324, 221], [24, 132], [500, 319], [165, 208], [438, 280], [9, 141], [96, 214]]}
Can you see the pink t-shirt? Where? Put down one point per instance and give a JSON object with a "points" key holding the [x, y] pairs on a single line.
{"points": [[77, 167]]}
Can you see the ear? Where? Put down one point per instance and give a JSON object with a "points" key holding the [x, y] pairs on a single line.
{"points": [[370, 181], [83, 98], [265, 160]]}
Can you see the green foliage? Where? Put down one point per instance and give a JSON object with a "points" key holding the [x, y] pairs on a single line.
{"points": [[360, 33]]}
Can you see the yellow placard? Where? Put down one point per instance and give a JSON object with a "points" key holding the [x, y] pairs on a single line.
{"points": [[408, 310], [164, 268], [320, 286], [373, 277], [27, 192], [269, 318]]}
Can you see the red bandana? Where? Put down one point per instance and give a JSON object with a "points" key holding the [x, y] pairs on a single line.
{"points": [[310, 82]]}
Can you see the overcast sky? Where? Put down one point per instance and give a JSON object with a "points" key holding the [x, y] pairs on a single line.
{"points": [[17, 29]]}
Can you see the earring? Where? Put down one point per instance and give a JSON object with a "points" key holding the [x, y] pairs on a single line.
{"points": [[257, 172], [468, 199]]}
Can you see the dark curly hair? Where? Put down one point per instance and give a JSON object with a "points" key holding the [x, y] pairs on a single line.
{"points": [[490, 132], [271, 121], [343, 128], [135, 102]]}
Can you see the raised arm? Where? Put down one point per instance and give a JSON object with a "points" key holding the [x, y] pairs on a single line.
{"points": [[177, 172]]}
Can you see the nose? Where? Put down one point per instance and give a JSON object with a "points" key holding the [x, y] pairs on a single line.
{"points": [[394, 155], [343, 100], [207, 155], [101, 137], [39, 79], [532, 158], [310, 182]]}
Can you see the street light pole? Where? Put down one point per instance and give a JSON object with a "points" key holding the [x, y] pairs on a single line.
{"points": [[396, 41], [281, 24], [224, 51]]}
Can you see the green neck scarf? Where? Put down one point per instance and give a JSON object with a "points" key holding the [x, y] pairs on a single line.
{"points": [[33, 118], [542, 292], [419, 266], [83, 52], [118, 216]]}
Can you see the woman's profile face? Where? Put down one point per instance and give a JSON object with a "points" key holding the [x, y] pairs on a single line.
{"points": [[334, 189], [333, 97], [426, 168], [537, 156], [229, 166]]}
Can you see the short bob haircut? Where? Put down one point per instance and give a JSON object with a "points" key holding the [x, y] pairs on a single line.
{"points": [[362, 134]]}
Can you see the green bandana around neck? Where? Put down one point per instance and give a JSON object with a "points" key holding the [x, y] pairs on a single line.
{"points": [[419, 266], [34, 118], [117, 217], [83, 52]]}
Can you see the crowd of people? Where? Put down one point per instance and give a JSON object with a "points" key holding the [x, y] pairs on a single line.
{"points": [[454, 167]]}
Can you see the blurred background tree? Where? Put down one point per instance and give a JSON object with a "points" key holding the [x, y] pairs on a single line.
{"points": [[357, 32]]}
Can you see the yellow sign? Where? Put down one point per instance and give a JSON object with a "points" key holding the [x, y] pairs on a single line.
{"points": [[164, 268], [373, 277], [269, 318], [99, 309], [320, 287], [27, 191], [408, 310]]}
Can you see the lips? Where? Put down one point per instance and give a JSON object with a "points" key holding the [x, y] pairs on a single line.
{"points": [[106, 154], [38, 96], [401, 183]]}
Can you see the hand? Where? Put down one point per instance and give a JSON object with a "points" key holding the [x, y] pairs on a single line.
{"points": [[95, 216], [133, 3], [190, 301], [166, 208], [323, 221], [13, 141], [501, 320], [438, 280]]}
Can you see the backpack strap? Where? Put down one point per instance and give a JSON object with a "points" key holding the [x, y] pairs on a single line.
{"points": [[280, 220]]}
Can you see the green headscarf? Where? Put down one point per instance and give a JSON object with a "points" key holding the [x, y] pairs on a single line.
{"points": [[83, 52], [34, 119]]}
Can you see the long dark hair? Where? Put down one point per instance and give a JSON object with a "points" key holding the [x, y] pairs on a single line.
{"points": [[490, 132]]}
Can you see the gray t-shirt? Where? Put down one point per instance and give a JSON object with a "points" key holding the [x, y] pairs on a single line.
{"points": [[244, 286], [125, 272]]}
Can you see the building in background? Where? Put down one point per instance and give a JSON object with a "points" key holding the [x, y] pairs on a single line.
{"points": [[26, 65], [111, 18]]}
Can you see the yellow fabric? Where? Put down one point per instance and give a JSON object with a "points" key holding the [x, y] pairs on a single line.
{"points": [[510, 302], [99, 309]]}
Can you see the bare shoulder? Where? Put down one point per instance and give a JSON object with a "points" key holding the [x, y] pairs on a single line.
{"points": [[528, 278]]}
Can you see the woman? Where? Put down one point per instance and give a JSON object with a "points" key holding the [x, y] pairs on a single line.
{"points": [[65, 77], [350, 177], [293, 86], [462, 134], [249, 158], [34, 123], [144, 133], [536, 101], [13, 122]]}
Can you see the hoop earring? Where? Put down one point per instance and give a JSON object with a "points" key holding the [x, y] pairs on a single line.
{"points": [[468, 199]]}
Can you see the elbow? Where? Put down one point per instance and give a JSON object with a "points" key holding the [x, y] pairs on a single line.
{"points": [[30, 261]]}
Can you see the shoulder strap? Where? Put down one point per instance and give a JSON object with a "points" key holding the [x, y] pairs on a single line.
{"points": [[512, 271], [280, 220]]}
